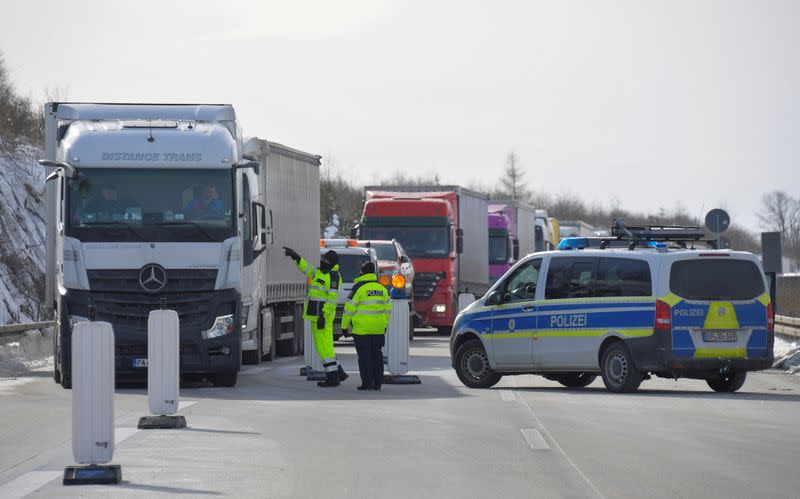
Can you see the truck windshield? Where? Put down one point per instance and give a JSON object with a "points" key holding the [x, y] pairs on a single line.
{"points": [[716, 279], [498, 248], [105, 204], [419, 242]]}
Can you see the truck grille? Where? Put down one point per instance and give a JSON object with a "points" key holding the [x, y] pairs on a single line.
{"points": [[425, 283], [133, 310], [127, 281]]}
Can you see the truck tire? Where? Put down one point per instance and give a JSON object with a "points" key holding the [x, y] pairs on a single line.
{"points": [[226, 379], [291, 347], [253, 357], [728, 383], [620, 374], [472, 366], [574, 380], [273, 348]]}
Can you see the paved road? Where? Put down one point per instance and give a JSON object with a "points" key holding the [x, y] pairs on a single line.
{"points": [[277, 435]]}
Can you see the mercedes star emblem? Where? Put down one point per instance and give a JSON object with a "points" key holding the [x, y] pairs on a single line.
{"points": [[153, 278]]}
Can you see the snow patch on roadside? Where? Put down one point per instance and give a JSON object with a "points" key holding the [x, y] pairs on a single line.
{"points": [[787, 354], [33, 351]]}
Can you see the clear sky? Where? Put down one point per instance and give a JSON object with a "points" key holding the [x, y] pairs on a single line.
{"points": [[650, 103]]}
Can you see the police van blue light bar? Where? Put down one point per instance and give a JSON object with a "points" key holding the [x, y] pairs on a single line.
{"points": [[573, 243]]}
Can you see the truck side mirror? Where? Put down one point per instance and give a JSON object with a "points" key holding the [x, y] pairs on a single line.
{"points": [[515, 252], [459, 241]]}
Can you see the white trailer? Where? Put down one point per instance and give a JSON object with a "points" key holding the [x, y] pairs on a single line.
{"points": [[144, 209], [285, 199]]}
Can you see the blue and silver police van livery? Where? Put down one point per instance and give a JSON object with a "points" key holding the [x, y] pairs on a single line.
{"points": [[623, 313]]}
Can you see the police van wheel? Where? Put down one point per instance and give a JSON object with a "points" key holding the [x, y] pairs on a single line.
{"points": [[618, 370], [575, 380], [727, 383], [472, 366]]}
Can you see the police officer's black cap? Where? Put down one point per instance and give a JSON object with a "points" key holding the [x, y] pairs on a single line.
{"points": [[332, 257], [368, 268]]}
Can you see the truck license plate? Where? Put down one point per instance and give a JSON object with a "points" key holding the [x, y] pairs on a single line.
{"points": [[139, 362], [719, 336]]}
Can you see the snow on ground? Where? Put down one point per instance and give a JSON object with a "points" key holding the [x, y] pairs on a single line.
{"points": [[787, 353], [33, 351]]}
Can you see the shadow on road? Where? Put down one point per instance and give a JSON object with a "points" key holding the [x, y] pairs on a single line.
{"points": [[661, 393], [166, 490]]}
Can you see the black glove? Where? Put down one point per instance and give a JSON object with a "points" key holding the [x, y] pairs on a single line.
{"points": [[291, 254], [320, 322]]}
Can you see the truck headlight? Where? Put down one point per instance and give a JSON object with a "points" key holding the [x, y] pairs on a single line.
{"points": [[439, 308], [245, 314], [222, 326]]}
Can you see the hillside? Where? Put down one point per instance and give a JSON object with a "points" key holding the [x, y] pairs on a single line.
{"points": [[22, 236]]}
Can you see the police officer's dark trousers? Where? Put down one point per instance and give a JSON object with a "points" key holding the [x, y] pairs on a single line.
{"points": [[370, 358]]}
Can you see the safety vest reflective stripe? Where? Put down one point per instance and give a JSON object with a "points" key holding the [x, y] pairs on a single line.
{"points": [[373, 302], [372, 312]]}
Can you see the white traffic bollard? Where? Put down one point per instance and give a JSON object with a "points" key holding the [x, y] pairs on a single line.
{"points": [[397, 345], [314, 371], [464, 300], [163, 371], [92, 405]]}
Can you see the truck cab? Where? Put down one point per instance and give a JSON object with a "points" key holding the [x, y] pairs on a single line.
{"points": [[143, 212]]}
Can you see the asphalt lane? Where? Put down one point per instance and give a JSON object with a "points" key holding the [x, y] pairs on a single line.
{"points": [[277, 435]]}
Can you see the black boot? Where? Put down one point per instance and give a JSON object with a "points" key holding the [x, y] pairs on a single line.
{"points": [[332, 380], [342, 375]]}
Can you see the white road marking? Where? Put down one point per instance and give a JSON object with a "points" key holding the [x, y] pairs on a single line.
{"points": [[183, 404], [507, 395], [534, 439], [28, 483], [558, 447]]}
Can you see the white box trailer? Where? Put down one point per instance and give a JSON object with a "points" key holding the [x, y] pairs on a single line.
{"points": [[285, 191]]}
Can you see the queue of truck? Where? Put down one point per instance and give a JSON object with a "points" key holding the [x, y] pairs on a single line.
{"points": [[169, 206]]}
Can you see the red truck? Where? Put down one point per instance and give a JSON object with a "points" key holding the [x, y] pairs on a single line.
{"points": [[445, 232]]}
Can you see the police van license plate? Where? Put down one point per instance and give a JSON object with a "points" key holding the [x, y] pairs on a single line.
{"points": [[719, 336], [139, 362]]}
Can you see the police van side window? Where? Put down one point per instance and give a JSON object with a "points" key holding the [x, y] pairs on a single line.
{"points": [[570, 278], [521, 285], [623, 277]]}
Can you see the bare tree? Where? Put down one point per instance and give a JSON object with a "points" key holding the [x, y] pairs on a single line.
{"points": [[512, 182], [781, 212]]}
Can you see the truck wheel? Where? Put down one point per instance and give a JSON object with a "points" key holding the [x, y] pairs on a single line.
{"points": [[225, 379], [472, 366], [727, 383], [291, 347], [618, 370], [273, 347], [574, 380], [253, 357]]}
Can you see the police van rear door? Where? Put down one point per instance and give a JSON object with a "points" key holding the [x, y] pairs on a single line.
{"points": [[514, 319], [719, 307]]}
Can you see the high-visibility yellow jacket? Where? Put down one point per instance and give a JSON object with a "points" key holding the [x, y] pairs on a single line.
{"points": [[368, 307], [323, 291]]}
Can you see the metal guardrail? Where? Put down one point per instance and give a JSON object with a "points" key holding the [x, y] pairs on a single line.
{"points": [[788, 326], [12, 330]]}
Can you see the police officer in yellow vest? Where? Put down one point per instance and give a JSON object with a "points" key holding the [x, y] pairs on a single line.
{"points": [[320, 309], [367, 313]]}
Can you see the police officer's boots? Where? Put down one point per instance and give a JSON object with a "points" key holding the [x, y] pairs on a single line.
{"points": [[342, 375], [332, 380]]}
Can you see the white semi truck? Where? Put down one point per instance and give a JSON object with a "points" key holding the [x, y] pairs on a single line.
{"points": [[284, 191], [146, 209]]}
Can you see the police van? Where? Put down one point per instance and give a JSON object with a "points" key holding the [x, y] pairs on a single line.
{"points": [[655, 306]]}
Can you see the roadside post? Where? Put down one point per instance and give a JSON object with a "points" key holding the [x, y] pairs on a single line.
{"points": [[92, 404], [313, 371], [397, 337], [163, 377]]}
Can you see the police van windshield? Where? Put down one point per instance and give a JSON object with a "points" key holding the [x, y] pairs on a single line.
{"points": [[385, 251], [350, 266], [716, 279], [150, 204]]}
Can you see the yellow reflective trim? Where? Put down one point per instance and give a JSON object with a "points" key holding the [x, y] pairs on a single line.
{"points": [[721, 315], [671, 299], [714, 353], [627, 333], [764, 299]]}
